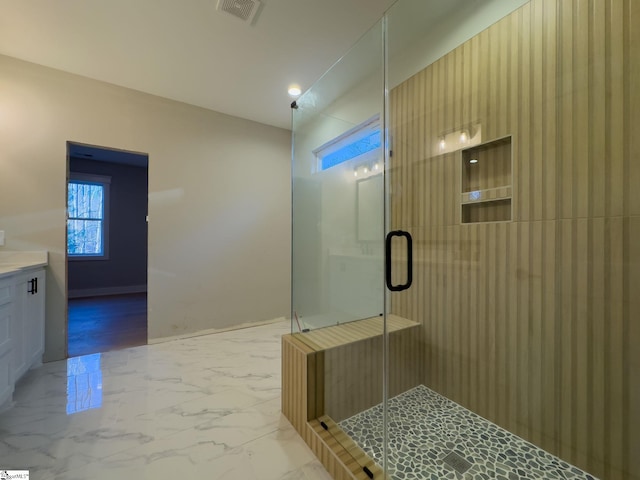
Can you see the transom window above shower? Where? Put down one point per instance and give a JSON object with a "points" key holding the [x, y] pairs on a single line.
{"points": [[362, 143]]}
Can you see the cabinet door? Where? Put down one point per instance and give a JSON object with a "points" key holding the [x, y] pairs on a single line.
{"points": [[7, 322], [33, 317], [19, 329]]}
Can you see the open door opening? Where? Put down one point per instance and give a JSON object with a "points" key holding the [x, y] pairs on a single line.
{"points": [[107, 197]]}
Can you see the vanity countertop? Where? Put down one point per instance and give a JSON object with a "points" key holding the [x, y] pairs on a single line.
{"points": [[16, 262]]}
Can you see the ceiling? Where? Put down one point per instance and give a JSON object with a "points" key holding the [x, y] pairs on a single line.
{"points": [[189, 51]]}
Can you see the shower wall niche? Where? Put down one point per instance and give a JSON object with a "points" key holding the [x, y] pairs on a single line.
{"points": [[487, 182]]}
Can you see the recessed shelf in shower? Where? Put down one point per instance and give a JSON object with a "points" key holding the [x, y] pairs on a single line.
{"points": [[486, 194]]}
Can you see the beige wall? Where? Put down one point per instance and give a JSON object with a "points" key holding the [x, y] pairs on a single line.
{"points": [[219, 197]]}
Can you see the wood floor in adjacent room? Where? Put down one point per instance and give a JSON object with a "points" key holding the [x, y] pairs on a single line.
{"points": [[102, 324]]}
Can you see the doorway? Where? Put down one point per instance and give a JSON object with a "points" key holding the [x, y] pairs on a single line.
{"points": [[107, 197]]}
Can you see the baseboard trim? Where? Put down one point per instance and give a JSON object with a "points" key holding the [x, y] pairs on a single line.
{"points": [[209, 331], [100, 292]]}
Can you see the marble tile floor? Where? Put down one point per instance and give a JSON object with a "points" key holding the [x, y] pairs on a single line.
{"points": [[206, 407]]}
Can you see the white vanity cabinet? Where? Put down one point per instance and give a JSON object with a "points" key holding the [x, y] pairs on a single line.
{"points": [[22, 311], [7, 319], [28, 325]]}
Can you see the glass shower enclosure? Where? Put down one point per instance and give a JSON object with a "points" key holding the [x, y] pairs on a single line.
{"points": [[466, 242]]}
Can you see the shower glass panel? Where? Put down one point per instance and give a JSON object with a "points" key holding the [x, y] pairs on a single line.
{"points": [[338, 238], [338, 199]]}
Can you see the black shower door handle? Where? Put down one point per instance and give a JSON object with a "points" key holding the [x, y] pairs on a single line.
{"points": [[387, 255]]}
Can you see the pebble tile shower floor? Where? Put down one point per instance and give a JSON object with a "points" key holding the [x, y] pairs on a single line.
{"points": [[425, 428]]}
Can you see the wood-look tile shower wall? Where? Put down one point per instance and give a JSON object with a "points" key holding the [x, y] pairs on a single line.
{"points": [[534, 323]]}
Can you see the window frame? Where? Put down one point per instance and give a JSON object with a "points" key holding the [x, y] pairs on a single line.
{"points": [[351, 136], [91, 179]]}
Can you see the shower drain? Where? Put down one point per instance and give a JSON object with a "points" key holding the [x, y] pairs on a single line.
{"points": [[457, 462]]}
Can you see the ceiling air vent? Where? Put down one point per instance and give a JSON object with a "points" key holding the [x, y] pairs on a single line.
{"points": [[245, 10]]}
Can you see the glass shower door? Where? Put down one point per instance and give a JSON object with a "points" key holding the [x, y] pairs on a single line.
{"points": [[509, 166]]}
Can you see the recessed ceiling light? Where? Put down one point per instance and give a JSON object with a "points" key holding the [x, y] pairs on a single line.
{"points": [[294, 90]]}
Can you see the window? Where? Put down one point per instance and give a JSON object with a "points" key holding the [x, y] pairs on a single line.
{"points": [[354, 143], [87, 216]]}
